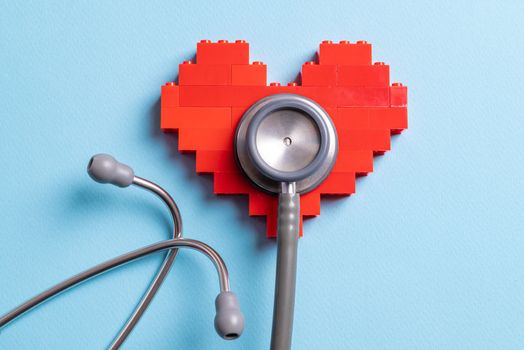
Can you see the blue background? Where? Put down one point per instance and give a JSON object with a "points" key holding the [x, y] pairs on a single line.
{"points": [[427, 254]]}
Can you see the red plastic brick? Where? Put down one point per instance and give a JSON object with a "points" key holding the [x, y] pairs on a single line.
{"points": [[345, 53], [319, 74], [359, 162], [376, 75], [338, 184], [310, 204], [249, 74], [261, 204], [206, 96], [362, 96], [208, 104], [200, 74], [201, 117], [170, 95], [398, 95], [352, 118], [236, 115], [191, 139], [231, 183], [393, 118], [377, 140], [222, 52], [215, 161]]}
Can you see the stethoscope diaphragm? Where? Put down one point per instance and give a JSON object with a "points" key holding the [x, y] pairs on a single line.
{"points": [[286, 138]]}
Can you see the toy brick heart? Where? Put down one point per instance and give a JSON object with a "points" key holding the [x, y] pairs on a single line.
{"points": [[214, 92]]}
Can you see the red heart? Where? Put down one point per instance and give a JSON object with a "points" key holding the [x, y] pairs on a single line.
{"points": [[214, 92]]}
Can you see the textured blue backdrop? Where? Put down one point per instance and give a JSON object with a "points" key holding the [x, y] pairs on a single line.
{"points": [[427, 254]]}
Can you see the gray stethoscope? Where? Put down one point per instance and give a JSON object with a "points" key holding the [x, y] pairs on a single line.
{"points": [[286, 144]]}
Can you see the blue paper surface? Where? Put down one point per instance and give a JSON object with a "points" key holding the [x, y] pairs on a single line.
{"points": [[428, 254]]}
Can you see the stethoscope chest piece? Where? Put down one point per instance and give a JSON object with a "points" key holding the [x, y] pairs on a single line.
{"points": [[286, 138]]}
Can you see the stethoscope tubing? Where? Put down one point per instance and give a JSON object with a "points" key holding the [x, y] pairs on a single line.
{"points": [[288, 228], [161, 274], [108, 265]]}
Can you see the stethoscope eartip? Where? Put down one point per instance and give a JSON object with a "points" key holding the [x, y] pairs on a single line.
{"points": [[229, 320], [105, 169]]}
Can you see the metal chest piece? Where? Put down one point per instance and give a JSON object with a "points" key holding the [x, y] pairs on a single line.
{"points": [[286, 138]]}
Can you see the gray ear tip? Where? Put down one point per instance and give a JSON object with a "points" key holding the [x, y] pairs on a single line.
{"points": [[229, 320], [103, 168]]}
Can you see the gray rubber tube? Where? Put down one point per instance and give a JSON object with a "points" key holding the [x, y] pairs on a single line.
{"points": [[161, 274], [221, 268], [287, 244]]}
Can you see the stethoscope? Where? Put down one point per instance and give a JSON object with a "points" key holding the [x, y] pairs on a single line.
{"points": [[285, 144]]}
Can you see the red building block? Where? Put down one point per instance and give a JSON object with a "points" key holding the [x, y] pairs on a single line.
{"points": [[249, 74], [231, 183], [201, 117], [362, 96], [170, 95], [393, 118], [191, 139], [338, 184], [399, 95], [359, 162], [377, 140], [200, 74], [345, 53], [376, 75], [222, 52], [349, 118], [215, 161], [261, 204], [208, 104], [319, 74], [236, 115], [206, 96], [310, 204]]}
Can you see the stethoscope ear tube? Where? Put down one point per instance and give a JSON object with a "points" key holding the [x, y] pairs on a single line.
{"points": [[229, 321]]}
